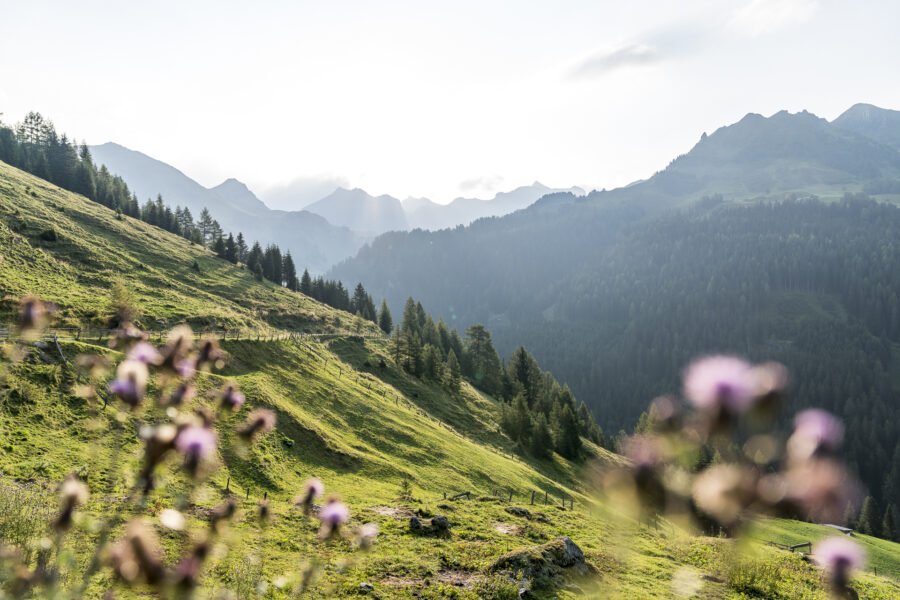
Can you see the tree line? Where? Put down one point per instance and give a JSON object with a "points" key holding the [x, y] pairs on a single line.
{"points": [[535, 411]]}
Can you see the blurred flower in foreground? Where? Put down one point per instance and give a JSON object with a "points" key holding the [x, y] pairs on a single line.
{"points": [[178, 343], [72, 493], [821, 488], [230, 398], [312, 489], [815, 432], [722, 383], [196, 443], [332, 516], [724, 492], [32, 316], [144, 352], [130, 382], [839, 556], [366, 535], [138, 557], [209, 355], [260, 421]]}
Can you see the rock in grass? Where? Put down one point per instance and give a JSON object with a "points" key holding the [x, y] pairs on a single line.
{"points": [[518, 511], [440, 523], [415, 524], [366, 587], [544, 562]]}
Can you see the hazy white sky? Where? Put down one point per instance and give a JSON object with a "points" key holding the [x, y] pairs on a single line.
{"points": [[436, 99]]}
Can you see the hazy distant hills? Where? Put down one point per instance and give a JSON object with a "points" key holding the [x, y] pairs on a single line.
{"points": [[425, 214], [361, 211], [313, 241], [879, 124], [724, 250]]}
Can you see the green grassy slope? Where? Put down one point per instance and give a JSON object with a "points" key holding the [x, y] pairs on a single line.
{"points": [[360, 427]]}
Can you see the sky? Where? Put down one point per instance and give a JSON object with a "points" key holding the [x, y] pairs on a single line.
{"points": [[433, 99]]}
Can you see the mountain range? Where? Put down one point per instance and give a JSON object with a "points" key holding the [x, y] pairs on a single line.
{"points": [[773, 238], [322, 233]]}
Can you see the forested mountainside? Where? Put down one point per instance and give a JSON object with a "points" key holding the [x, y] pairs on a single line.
{"points": [[615, 290], [350, 412]]}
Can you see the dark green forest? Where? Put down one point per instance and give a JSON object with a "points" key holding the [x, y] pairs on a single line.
{"points": [[809, 283]]}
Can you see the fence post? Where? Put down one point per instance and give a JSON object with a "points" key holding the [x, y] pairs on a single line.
{"points": [[78, 335], [228, 485], [545, 496], [571, 503], [532, 496], [510, 495]]}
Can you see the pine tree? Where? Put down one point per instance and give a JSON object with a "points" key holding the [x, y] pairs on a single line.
{"points": [[205, 226], [889, 524], [219, 247], [868, 517], [290, 273], [431, 358], [482, 359], [454, 374], [242, 249], [306, 284], [231, 252], [568, 442], [384, 318], [849, 518], [541, 438], [257, 271], [410, 323]]}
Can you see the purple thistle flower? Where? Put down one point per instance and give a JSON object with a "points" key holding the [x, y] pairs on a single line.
{"points": [[839, 556], [185, 368], [839, 552], [260, 421], [196, 443], [314, 488], [196, 440], [231, 398], [332, 516], [334, 513], [819, 426], [144, 352], [720, 382], [130, 382]]}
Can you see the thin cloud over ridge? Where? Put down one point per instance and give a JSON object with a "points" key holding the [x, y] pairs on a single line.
{"points": [[628, 55]]}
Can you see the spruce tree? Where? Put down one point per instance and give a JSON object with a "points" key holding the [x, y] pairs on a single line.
{"points": [[410, 323], [868, 517], [219, 247], [306, 284], [384, 318], [454, 374], [568, 442], [231, 253], [431, 358], [289, 272], [206, 228], [242, 249], [541, 438], [889, 524]]}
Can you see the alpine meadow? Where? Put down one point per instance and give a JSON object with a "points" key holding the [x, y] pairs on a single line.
{"points": [[390, 300]]}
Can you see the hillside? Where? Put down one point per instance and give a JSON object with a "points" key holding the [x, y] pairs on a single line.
{"points": [[314, 242], [362, 428], [742, 245]]}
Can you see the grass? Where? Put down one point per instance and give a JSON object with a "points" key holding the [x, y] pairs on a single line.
{"points": [[361, 427]]}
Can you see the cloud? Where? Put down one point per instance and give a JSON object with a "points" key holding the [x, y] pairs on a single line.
{"points": [[485, 183], [759, 17], [629, 55]]}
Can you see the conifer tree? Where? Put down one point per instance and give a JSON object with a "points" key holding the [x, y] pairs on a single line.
{"points": [[541, 438], [410, 323], [454, 374], [385, 322], [431, 358], [889, 524], [568, 442], [219, 247], [868, 517], [242, 249], [231, 252], [306, 283], [290, 273], [205, 226]]}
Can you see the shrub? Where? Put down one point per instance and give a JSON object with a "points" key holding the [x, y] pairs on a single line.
{"points": [[49, 235]]}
